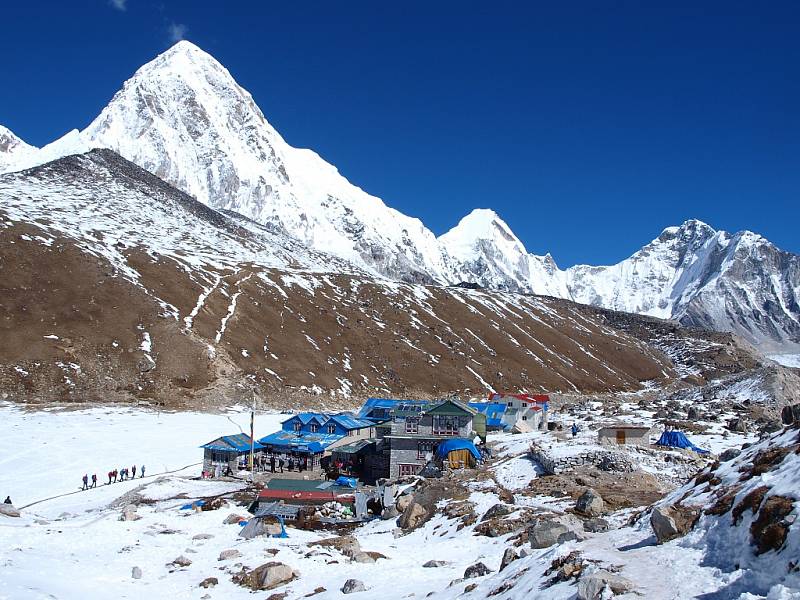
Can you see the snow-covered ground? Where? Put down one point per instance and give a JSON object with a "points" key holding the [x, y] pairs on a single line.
{"points": [[74, 546], [787, 360]]}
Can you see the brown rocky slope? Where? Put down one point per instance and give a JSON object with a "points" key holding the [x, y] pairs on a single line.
{"points": [[116, 287]]}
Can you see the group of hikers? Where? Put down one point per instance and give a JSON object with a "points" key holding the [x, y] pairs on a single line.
{"points": [[113, 476]]}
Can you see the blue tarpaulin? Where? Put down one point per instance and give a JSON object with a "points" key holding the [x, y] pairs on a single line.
{"points": [[347, 481], [678, 439], [447, 446]]}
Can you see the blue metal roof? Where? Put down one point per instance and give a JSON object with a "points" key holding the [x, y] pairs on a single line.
{"points": [[389, 404], [350, 422], [494, 412], [300, 441], [239, 442]]}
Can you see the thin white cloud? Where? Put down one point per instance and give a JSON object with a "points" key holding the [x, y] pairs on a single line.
{"points": [[119, 4], [177, 31]]}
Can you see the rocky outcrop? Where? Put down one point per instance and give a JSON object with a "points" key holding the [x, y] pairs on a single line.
{"points": [[413, 516], [548, 531], [351, 586], [594, 586]]}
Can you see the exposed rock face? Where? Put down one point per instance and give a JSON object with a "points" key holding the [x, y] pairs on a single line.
{"points": [[670, 522], [590, 503], [265, 577], [352, 586]]}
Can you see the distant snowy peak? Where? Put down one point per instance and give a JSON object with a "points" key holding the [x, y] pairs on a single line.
{"points": [[184, 118], [12, 148]]}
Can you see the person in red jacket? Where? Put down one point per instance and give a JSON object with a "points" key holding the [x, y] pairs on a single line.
{"points": [[85, 482], [114, 473]]}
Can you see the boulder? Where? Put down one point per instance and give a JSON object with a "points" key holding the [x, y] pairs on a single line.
{"points": [[729, 454], [9, 510], [413, 516], [202, 536], [469, 588], [209, 582], [693, 414], [136, 573], [593, 586], [233, 518], [352, 586], [229, 554], [544, 532], [595, 525], [265, 577], [498, 510], [509, 556], [590, 503], [181, 561], [670, 522], [790, 414], [477, 570], [433, 564]]}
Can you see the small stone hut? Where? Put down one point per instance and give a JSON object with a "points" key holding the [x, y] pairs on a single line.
{"points": [[619, 434]]}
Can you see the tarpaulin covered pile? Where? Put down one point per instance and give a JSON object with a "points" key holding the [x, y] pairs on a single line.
{"points": [[678, 439]]}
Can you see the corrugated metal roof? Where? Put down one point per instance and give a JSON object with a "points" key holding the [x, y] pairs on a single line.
{"points": [[239, 442], [298, 440]]}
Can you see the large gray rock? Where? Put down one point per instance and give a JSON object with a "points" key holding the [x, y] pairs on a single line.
{"points": [[352, 586], [404, 501], [670, 522], [790, 414], [498, 510], [362, 557], [413, 516], [9, 510], [594, 585], [433, 564], [181, 561], [590, 503], [265, 577], [547, 531], [136, 573], [729, 454], [346, 544]]}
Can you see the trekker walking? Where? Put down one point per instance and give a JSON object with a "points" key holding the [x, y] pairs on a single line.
{"points": [[85, 483], [280, 463], [142, 475], [133, 470], [574, 429], [94, 480], [272, 463], [110, 473]]}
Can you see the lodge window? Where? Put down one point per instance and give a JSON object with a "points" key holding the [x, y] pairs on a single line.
{"points": [[406, 470], [445, 425], [314, 428], [423, 448], [331, 428], [297, 426], [412, 425], [525, 417], [511, 404]]}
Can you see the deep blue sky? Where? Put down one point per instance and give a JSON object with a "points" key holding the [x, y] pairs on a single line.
{"points": [[588, 126]]}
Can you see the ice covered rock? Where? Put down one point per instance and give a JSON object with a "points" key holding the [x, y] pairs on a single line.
{"points": [[136, 573], [229, 554], [9, 510]]}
